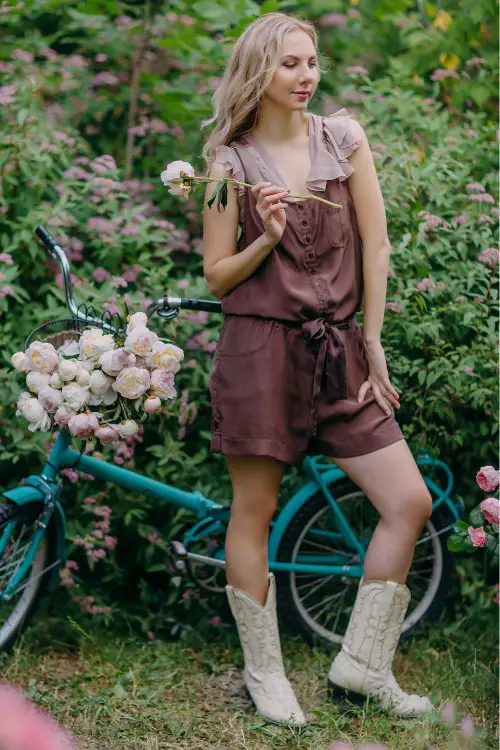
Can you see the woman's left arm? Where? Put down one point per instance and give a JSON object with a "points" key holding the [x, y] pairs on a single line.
{"points": [[370, 213]]}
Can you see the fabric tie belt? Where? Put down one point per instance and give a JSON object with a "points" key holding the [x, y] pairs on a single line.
{"points": [[330, 366]]}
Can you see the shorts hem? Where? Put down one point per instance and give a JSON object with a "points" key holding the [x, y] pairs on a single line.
{"points": [[254, 447], [349, 450]]}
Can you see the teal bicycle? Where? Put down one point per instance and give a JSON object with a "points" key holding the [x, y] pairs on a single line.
{"points": [[317, 542]]}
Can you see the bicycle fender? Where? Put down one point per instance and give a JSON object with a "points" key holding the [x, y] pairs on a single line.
{"points": [[293, 506], [25, 494]]}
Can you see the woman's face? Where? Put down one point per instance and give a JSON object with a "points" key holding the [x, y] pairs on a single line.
{"points": [[297, 71]]}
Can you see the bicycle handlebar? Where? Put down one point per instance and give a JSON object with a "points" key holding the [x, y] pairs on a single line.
{"points": [[166, 307]]}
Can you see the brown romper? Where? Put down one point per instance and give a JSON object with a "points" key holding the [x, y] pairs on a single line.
{"points": [[290, 359]]}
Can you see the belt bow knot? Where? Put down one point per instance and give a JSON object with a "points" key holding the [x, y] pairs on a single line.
{"points": [[330, 367]]}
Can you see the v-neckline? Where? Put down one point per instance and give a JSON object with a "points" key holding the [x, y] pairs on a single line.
{"points": [[270, 163]]}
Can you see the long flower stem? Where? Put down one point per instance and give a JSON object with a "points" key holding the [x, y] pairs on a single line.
{"points": [[309, 196]]}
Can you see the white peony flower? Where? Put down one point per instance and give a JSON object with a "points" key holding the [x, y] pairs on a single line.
{"points": [[37, 380], [20, 362], [83, 377], [176, 170], [99, 382], [69, 348], [74, 396], [32, 410], [87, 364], [127, 428], [114, 361], [94, 341], [166, 356], [107, 398], [42, 357], [137, 319], [55, 381], [140, 341], [132, 382], [68, 369], [50, 399]]}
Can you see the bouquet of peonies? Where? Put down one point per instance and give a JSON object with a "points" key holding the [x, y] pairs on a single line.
{"points": [[99, 384]]}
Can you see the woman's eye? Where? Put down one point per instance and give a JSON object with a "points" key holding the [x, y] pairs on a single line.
{"points": [[292, 65]]}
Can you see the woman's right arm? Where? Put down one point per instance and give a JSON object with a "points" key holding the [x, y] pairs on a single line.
{"points": [[224, 267]]}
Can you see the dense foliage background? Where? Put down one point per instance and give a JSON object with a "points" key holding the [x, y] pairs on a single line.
{"points": [[96, 99]]}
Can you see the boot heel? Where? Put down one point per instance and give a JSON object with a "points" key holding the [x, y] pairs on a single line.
{"points": [[344, 697]]}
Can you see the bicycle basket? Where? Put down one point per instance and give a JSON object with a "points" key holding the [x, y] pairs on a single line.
{"points": [[64, 330]]}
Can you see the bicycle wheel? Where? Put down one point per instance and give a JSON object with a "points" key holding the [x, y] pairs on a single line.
{"points": [[19, 524], [319, 605]]}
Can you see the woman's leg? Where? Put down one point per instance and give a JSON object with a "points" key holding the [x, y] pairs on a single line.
{"points": [[251, 589], [392, 481], [256, 481]]}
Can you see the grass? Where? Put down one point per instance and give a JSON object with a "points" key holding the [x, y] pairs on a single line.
{"points": [[119, 693]]}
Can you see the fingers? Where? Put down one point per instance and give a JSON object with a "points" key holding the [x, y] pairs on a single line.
{"points": [[382, 397], [266, 193]]}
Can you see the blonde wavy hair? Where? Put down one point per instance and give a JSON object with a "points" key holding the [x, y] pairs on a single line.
{"points": [[249, 71]]}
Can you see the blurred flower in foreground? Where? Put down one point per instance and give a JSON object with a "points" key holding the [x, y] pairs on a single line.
{"points": [[24, 726]]}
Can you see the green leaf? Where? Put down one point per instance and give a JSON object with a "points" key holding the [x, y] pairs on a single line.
{"points": [[476, 517], [462, 526], [491, 543], [455, 543]]}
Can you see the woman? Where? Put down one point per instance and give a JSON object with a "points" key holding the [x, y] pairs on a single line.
{"points": [[293, 374]]}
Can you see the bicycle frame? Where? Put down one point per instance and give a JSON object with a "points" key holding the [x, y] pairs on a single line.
{"points": [[322, 476]]}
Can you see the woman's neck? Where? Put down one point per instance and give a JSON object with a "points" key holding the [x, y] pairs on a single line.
{"points": [[277, 125]]}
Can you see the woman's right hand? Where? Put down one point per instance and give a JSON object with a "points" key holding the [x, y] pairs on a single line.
{"points": [[270, 208]]}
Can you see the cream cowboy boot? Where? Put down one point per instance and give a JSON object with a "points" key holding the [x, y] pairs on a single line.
{"points": [[264, 672], [363, 665]]}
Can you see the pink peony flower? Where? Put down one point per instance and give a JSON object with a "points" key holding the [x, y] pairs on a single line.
{"points": [[50, 399], [107, 434], [488, 478], [151, 405], [83, 425], [162, 383], [24, 726], [478, 536], [490, 508]]}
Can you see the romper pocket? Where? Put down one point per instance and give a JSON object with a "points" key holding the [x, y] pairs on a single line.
{"points": [[241, 336]]}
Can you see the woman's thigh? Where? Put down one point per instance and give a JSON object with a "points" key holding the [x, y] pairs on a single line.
{"points": [[392, 481], [256, 482]]}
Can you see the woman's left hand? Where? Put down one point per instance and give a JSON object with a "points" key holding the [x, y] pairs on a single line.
{"points": [[378, 379]]}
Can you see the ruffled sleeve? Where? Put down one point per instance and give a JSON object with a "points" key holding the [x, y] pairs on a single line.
{"points": [[227, 156], [339, 128]]}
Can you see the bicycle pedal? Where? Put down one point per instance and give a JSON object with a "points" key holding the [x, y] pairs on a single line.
{"points": [[176, 557]]}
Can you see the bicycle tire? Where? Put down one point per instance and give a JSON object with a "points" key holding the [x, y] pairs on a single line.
{"points": [[290, 610], [36, 583]]}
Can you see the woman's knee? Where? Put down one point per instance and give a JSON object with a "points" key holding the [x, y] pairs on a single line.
{"points": [[256, 481], [417, 505]]}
